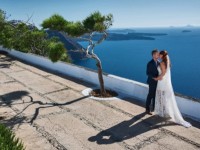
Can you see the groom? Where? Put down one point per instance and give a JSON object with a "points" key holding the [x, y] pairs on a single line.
{"points": [[152, 72]]}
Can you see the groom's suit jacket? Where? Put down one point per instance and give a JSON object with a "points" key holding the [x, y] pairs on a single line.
{"points": [[152, 72]]}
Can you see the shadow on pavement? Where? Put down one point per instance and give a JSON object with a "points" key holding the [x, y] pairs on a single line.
{"points": [[129, 129], [9, 99]]}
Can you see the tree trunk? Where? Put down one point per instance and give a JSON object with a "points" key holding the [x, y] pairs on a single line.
{"points": [[90, 52], [101, 81]]}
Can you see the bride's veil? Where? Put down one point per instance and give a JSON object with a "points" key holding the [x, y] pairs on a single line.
{"points": [[169, 97], [173, 108]]}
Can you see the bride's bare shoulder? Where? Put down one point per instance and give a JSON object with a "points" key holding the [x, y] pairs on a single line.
{"points": [[162, 63]]}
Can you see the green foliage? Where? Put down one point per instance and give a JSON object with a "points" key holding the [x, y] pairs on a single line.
{"points": [[6, 31], [36, 42], [21, 37], [6, 34], [56, 51], [55, 22], [8, 141], [75, 29], [96, 22], [2, 17]]}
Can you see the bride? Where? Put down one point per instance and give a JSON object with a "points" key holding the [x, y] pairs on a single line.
{"points": [[165, 102]]}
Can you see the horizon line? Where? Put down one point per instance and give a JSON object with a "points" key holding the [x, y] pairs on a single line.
{"points": [[170, 26]]}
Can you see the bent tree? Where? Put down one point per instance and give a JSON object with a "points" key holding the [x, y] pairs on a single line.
{"points": [[92, 29]]}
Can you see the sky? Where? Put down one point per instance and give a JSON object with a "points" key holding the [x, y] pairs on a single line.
{"points": [[127, 13]]}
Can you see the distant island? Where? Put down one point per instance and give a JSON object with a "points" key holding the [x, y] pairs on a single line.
{"points": [[184, 31], [133, 36], [121, 31], [73, 47], [127, 36]]}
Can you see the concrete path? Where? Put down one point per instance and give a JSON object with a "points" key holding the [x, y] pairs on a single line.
{"points": [[48, 112]]}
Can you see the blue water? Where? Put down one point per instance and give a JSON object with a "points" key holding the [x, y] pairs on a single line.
{"points": [[128, 59]]}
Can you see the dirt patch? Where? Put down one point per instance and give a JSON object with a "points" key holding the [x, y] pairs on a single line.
{"points": [[109, 93]]}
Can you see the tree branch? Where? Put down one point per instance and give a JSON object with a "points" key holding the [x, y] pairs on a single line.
{"points": [[29, 18], [105, 34]]}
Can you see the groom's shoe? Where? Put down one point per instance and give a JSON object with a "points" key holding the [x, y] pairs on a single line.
{"points": [[148, 112]]}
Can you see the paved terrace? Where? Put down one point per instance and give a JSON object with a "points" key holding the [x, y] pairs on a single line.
{"points": [[48, 112]]}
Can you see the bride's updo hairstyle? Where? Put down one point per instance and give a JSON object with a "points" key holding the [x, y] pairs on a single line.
{"points": [[164, 58]]}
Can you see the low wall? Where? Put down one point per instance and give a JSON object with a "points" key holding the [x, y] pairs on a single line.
{"points": [[124, 86]]}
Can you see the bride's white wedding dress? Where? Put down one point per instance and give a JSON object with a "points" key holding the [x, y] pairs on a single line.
{"points": [[165, 101]]}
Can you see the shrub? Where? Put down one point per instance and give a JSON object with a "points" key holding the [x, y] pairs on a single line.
{"points": [[8, 141], [56, 51], [20, 36]]}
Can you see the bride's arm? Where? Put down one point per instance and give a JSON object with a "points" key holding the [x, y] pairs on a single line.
{"points": [[163, 71]]}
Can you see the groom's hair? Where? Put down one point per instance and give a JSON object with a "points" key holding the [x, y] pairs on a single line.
{"points": [[154, 51]]}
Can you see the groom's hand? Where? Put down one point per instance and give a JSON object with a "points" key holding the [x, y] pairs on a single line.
{"points": [[156, 79]]}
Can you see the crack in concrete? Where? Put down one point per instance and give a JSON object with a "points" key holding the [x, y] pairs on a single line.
{"points": [[7, 82], [150, 140], [180, 137], [52, 140], [49, 114], [56, 91]]}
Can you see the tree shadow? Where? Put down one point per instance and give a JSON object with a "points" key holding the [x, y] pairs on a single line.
{"points": [[9, 99], [5, 65], [45, 105], [13, 121], [2, 52], [4, 62], [8, 59], [129, 129], [52, 105]]}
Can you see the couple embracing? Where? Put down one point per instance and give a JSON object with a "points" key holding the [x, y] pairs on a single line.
{"points": [[161, 94]]}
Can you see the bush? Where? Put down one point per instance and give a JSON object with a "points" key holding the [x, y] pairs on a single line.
{"points": [[8, 141], [20, 36], [56, 51]]}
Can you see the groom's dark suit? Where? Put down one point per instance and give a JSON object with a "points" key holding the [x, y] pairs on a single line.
{"points": [[152, 72]]}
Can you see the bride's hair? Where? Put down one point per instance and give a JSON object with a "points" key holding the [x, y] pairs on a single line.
{"points": [[165, 57]]}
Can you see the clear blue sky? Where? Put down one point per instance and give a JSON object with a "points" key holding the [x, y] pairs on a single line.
{"points": [[127, 13]]}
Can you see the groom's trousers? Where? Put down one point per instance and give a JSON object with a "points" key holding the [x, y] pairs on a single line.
{"points": [[151, 97]]}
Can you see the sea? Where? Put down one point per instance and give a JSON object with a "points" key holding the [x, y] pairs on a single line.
{"points": [[128, 58]]}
